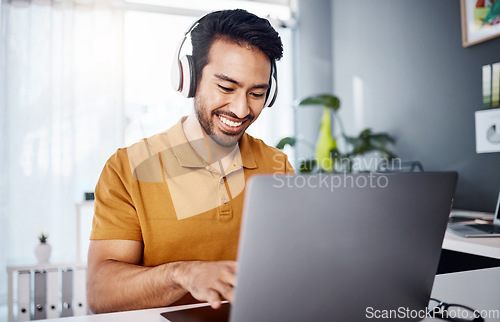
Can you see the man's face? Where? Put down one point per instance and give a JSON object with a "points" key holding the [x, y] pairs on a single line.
{"points": [[232, 90]]}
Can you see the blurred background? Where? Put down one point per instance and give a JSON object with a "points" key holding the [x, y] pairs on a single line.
{"points": [[82, 78]]}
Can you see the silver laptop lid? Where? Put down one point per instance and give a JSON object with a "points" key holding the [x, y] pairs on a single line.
{"points": [[340, 247]]}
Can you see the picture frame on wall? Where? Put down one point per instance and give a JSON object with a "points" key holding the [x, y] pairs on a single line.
{"points": [[480, 21]]}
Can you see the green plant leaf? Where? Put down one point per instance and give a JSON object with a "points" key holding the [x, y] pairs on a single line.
{"points": [[286, 141], [365, 133], [368, 141], [307, 166], [43, 238], [328, 100], [382, 137]]}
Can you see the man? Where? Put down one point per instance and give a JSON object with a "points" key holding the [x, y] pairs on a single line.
{"points": [[168, 208]]}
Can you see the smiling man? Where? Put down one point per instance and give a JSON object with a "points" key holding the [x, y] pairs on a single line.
{"points": [[168, 208]]}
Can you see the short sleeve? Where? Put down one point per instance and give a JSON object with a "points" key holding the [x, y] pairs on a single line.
{"points": [[288, 167], [115, 216]]}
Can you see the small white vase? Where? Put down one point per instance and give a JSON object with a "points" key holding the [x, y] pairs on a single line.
{"points": [[42, 253]]}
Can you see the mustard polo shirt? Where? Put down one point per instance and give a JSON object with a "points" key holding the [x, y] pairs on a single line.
{"points": [[161, 192]]}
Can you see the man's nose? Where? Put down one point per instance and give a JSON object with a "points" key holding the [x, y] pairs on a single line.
{"points": [[239, 105]]}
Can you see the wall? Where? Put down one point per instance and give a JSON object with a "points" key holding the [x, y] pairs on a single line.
{"points": [[313, 59], [399, 66]]}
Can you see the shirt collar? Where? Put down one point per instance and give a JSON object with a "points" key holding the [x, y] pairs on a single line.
{"points": [[247, 153], [187, 156]]}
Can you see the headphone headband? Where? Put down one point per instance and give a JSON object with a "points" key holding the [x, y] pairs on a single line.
{"points": [[176, 76], [183, 72]]}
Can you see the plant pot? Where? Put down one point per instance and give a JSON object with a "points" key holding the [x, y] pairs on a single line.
{"points": [[42, 253]]}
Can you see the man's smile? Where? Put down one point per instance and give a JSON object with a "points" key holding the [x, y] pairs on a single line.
{"points": [[230, 125], [229, 122]]}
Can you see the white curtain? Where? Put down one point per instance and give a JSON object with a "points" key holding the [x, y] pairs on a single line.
{"points": [[61, 117]]}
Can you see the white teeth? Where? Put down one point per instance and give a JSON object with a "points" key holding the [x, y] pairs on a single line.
{"points": [[228, 122]]}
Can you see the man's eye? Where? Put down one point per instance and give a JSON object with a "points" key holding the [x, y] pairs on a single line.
{"points": [[225, 89], [257, 95]]}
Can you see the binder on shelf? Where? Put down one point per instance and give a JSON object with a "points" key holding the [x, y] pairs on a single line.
{"points": [[67, 293], [23, 296], [79, 291], [40, 299], [52, 293]]}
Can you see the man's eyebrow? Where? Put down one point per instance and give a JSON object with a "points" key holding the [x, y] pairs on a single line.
{"points": [[263, 86], [229, 79]]}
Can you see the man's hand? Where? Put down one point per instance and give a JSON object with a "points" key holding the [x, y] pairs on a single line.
{"points": [[209, 281], [114, 268]]}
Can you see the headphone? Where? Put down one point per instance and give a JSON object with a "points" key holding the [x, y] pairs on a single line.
{"points": [[183, 73]]}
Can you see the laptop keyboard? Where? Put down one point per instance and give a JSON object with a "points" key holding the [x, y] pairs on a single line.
{"points": [[488, 228]]}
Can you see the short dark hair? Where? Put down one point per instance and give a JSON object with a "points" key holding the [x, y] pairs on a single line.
{"points": [[238, 26]]}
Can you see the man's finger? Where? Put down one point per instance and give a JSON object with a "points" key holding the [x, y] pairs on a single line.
{"points": [[226, 291], [213, 298]]}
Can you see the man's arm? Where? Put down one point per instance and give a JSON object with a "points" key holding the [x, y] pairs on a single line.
{"points": [[117, 282]]}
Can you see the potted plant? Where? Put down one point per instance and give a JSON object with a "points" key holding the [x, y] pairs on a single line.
{"points": [[328, 157], [43, 249]]}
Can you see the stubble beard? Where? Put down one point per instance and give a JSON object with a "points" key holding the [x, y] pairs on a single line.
{"points": [[206, 122]]}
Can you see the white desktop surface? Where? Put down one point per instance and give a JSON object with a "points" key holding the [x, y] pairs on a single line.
{"points": [[479, 289], [482, 246], [149, 315]]}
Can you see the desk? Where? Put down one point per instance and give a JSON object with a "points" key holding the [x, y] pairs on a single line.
{"points": [[479, 289], [484, 246]]}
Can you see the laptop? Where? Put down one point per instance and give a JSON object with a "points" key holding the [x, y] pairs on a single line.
{"points": [[338, 247], [479, 229]]}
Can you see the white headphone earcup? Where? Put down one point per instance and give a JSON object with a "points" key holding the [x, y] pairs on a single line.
{"points": [[272, 92], [271, 95], [188, 85], [176, 75]]}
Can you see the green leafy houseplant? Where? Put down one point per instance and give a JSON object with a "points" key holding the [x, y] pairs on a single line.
{"points": [[43, 238], [328, 157]]}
